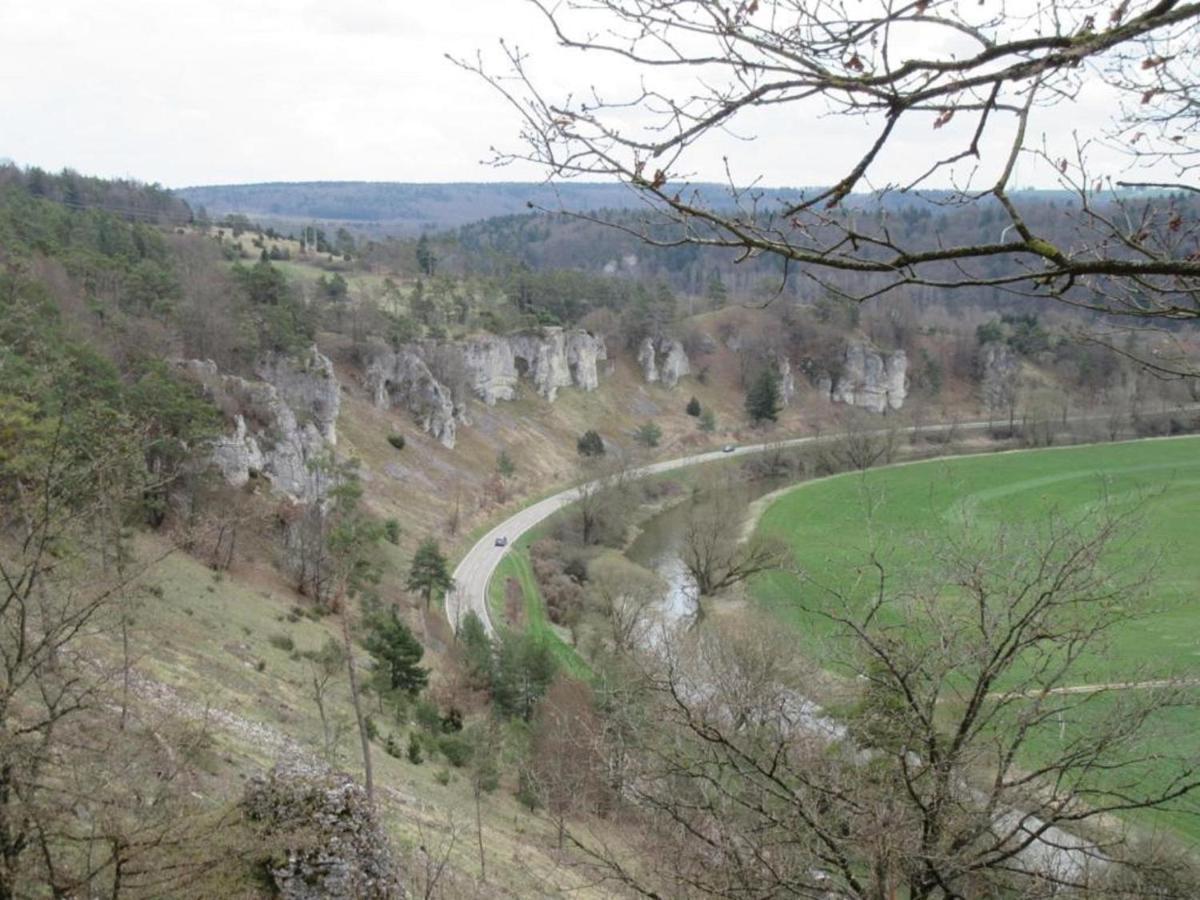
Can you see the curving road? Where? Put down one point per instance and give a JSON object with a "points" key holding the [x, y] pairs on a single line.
{"points": [[474, 572]]}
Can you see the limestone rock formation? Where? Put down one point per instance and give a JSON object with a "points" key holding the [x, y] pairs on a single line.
{"points": [[306, 382], [554, 358], [647, 358], [787, 382], [870, 378], [402, 378], [325, 841], [268, 439], [999, 370], [663, 359], [491, 365]]}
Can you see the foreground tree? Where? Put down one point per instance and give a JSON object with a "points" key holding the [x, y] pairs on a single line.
{"points": [[973, 81], [974, 765]]}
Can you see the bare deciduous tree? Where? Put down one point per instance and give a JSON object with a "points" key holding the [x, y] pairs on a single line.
{"points": [[977, 84], [713, 550], [624, 596], [981, 758]]}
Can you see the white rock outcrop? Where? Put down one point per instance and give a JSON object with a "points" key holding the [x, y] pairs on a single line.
{"points": [[870, 378], [663, 359], [787, 381], [402, 378], [490, 365], [306, 382], [268, 438], [1000, 371], [554, 358], [647, 358]]}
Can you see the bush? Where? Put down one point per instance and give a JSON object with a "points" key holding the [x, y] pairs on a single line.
{"points": [[528, 794], [648, 434], [282, 642], [708, 421], [504, 465], [590, 444], [391, 531], [442, 777], [415, 755], [396, 440], [456, 748], [392, 747], [693, 407]]}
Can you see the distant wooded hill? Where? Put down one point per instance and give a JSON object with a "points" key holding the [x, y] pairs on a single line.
{"points": [[399, 209]]}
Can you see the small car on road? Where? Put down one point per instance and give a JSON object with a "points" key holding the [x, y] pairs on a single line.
{"points": [[502, 541], [729, 448]]}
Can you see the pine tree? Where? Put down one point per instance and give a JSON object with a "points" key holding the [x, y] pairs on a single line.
{"points": [[399, 653], [429, 571], [762, 398], [693, 407]]}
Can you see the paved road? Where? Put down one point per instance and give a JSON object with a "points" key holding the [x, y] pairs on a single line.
{"points": [[474, 573]]}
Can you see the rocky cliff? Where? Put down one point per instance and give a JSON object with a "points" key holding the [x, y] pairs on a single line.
{"points": [[490, 365], [870, 378], [787, 381], [280, 424], [999, 370], [551, 358], [402, 378], [663, 360]]}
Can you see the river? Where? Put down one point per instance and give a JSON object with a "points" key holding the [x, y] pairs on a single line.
{"points": [[659, 542]]}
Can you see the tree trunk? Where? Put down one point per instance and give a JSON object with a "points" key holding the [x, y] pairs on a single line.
{"points": [[358, 713], [479, 835]]}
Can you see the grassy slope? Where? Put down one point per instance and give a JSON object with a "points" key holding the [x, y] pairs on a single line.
{"points": [[828, 525], [198, 649]]}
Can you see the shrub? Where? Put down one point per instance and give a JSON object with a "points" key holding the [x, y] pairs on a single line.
{"points": [[648, 434], [391, 531], [505, 465], [456, 748], [442, 777], [708, 421], [590, 444], [282, 642], [392, 748], [415, 755], [528, 794], [693, 407], [396, 440]]}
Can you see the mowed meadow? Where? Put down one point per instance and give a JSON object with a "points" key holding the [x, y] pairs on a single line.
{"points": [[901, 515]]}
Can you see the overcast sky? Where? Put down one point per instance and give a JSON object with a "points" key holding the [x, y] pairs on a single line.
{"points": [[227, 91]]}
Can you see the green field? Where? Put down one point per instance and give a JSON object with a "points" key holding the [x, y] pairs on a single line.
{"points": [[833, 524]]}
